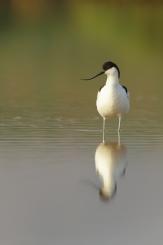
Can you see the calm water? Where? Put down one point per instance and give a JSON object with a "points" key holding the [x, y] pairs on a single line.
{"points": [[48, 184], [49, 135]]}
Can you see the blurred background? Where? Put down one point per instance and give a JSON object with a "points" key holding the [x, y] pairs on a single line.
{"points": [[46, 46]]}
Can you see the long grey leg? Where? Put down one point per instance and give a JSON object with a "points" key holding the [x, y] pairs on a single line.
{"points": [[119, 123], [119, 138], [103, 131], [119, 126]]}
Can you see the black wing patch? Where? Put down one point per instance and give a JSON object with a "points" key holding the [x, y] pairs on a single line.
{"points": [[125, 88], [101, 88]]}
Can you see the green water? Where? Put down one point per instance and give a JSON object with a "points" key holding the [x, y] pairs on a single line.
{"points": [[50, 129]]}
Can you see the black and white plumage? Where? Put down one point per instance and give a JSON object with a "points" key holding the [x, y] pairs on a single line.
{"points": [[112, 98]]}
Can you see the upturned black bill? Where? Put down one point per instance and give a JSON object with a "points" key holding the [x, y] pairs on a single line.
{"points": [[102, 72]]}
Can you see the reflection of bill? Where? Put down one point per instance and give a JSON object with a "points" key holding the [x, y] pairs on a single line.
{"points": [[110, 164]]}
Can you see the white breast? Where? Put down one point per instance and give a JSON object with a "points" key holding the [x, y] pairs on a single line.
{"points": [[112, 100]]}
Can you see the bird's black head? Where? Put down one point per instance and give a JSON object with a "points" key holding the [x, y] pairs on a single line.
{"points": [[108, 65]]}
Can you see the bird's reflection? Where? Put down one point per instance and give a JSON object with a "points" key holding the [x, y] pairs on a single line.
{"points": [[110, 164]]}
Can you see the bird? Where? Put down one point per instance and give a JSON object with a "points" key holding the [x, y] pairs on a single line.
{"points": [[112, 98], [110, 164]]}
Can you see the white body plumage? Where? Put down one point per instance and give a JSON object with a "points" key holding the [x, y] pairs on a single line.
{"points": [[112, 99]]}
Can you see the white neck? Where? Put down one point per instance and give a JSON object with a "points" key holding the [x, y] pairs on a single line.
{"points": [[112, 80]]}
